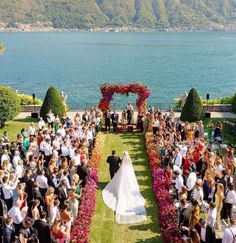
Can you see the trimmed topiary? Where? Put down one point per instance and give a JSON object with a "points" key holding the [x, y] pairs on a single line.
{"points": [[193, 108], [9, 104], [54, 102], [234, 104]]}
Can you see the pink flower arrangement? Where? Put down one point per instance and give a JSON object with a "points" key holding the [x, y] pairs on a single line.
{"points": [[108, 90], [81, 228], [167, 210]]}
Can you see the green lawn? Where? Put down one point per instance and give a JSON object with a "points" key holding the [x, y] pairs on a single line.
{"points": [[13, 127], [104, 228]]}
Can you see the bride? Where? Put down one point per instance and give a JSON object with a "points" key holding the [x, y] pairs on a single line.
{"points": [[122, 194]]}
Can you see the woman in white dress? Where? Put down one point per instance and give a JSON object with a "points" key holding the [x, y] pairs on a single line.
{"points": [[122, 195]]}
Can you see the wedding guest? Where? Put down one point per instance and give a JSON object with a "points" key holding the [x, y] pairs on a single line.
{"points": [[35, 210], [77, 119], [50, 118], [54, 211], [195, 215], [42, 181], [8, 231], [31, 129], [177, 158], [42, 228], [211, 220], [155, 125], [85, 117], [49, 198], [17, 215], [41, 123], [107, 116], [230, 232], [219, 197], [73, 204], [26, 233], [179, 182], [58, 234], [230, 200], [7, 190], [36, 193], [218, 132], [191, 180], [5, 137], [63, 192], [82, 171]]}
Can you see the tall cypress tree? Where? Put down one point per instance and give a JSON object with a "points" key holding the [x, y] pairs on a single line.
{"points": [[193, 108], [53, 101]]}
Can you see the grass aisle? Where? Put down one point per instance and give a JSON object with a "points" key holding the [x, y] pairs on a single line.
{"points": [[104, 228]]}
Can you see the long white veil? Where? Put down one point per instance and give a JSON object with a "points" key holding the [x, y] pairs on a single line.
{"points": [[123, 196]]}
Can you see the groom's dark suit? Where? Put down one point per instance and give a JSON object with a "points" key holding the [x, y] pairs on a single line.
{"points": [[114, 163]]}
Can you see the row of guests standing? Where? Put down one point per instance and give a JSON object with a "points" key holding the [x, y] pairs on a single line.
{"points": [[42, 177], [201, 179]]}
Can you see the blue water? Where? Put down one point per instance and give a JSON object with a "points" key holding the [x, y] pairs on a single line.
{"points": [[78, 63]]}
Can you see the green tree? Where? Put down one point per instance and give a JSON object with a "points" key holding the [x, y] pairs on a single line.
{"points": [[193, 108], [9, 104], [234, 104], [54, 102]]}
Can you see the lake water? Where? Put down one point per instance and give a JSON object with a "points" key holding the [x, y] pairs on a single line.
{"points": [[78, 63]]}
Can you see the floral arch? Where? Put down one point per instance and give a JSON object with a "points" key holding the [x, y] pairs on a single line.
{"points": [[108, 90]]}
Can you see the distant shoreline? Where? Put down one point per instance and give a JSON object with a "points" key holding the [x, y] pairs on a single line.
{"points": [[46, 28]]}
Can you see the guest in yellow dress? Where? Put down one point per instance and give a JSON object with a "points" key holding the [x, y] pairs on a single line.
{"points": [[219, 197]]}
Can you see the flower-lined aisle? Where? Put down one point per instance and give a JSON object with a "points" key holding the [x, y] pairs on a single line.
{"points": [[168, 214], [81, 228]]}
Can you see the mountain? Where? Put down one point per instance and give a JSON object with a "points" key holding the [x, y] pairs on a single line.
{"points": [[156, 14]]}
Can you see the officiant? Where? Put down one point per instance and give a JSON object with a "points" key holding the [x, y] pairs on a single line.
{"points": [[115, 121]]}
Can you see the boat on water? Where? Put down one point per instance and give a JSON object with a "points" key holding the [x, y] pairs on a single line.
{"points": [[2, 48]]}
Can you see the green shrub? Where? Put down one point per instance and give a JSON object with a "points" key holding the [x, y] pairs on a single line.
{"points": [[193, 108], [28, 100], [9, 104], [54, 102], [234, 104], [222, 100]]}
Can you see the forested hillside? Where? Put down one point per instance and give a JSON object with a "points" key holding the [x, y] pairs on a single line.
{"points": [[140, 13]]}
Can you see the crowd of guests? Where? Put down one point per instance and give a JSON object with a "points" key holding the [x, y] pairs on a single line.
{"points": [[43, 172], [42, 175], [202, 179]]}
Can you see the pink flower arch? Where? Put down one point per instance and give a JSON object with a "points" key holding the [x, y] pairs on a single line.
{"points": [[108, 90]]}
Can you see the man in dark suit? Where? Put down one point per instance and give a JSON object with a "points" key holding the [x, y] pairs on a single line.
{"points": [[107, 117], [8, 231], [115, 121], [63, 192], [114, 163], [42, 228], [82, 171]]}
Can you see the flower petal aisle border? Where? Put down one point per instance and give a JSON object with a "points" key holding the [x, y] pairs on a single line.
{"points": [[81, 228], [108, 90], [167, 210]]}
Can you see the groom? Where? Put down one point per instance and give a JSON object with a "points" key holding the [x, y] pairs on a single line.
{"points": [[114, 163]]}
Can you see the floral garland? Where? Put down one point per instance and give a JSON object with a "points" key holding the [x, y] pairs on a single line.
{"points": [[81, 228], [108, 90], [167, 210]]}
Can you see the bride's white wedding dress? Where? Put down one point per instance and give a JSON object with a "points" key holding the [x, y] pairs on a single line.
{"points": [[122, 195]]}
